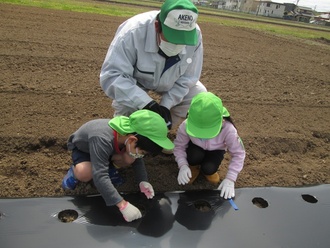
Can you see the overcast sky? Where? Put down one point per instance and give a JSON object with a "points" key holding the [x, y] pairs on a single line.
{"points": [[321, 5]]}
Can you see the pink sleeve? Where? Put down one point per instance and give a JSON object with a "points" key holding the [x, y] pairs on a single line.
{"points": [[237, 152], [180, 145]]}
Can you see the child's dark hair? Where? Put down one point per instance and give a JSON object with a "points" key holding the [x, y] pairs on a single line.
{"points": [[148, 145], [229, 119], [160, 24]]}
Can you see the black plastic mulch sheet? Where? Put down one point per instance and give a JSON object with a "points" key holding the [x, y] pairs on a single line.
{"points": [[266, 217]]}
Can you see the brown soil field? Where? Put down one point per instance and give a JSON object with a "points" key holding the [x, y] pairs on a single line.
{"points": [[277, 90]]}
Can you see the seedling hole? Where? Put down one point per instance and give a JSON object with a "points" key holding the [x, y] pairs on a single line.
{"points": [[68, 215], [202, 205], [142, 209], [309, 198], [260, 202]]}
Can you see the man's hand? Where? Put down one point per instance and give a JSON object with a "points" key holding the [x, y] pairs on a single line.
{"points": [[130, 212], [184, 175], [147, 189], [162, 111], [227, 188]]}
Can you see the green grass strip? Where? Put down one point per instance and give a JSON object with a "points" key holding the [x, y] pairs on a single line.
{"points": [[128, 8]]}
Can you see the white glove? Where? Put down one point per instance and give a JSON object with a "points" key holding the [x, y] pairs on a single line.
{"points": [[227, 189], [147, 189], [184, 175], [130, 212]]}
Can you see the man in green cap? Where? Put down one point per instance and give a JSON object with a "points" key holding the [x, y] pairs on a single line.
{"points": [[159, 51], [100, 147], [202, 141]]}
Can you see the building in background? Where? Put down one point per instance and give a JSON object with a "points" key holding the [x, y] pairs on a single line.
{"points": [[270, 9], [267, 8], [323, 19]]}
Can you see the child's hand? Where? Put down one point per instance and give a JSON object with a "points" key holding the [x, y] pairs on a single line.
{"points": [[184, 175], [130, 212], [227, 188], [147, 189]]}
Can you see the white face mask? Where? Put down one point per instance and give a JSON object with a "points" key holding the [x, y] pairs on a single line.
{"points": [[170, 49], [133, 155]]}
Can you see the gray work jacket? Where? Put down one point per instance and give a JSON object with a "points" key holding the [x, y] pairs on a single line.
{"points": [[133, 66]]}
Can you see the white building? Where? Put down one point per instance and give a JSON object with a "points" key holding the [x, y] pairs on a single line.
{"points": [[270, 9]]}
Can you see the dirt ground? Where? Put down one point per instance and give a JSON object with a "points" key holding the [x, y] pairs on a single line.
{"points": [[277, 90]]}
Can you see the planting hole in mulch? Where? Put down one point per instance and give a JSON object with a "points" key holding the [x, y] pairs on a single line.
{"points": [[142, 209], [309, 198], [260, 202], [68, 215], [202, 205]]}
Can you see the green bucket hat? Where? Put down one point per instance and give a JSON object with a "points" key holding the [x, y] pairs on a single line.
{"points": [[178, 19], [205, 116], [146, 123]]}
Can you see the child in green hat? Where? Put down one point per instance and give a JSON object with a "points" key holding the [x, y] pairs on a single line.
{"points": [[202, 140], [100, 147]]}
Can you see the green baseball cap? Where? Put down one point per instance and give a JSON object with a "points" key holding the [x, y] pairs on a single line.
{"points": [[205, 116], [178, 19], [146, 123]]}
